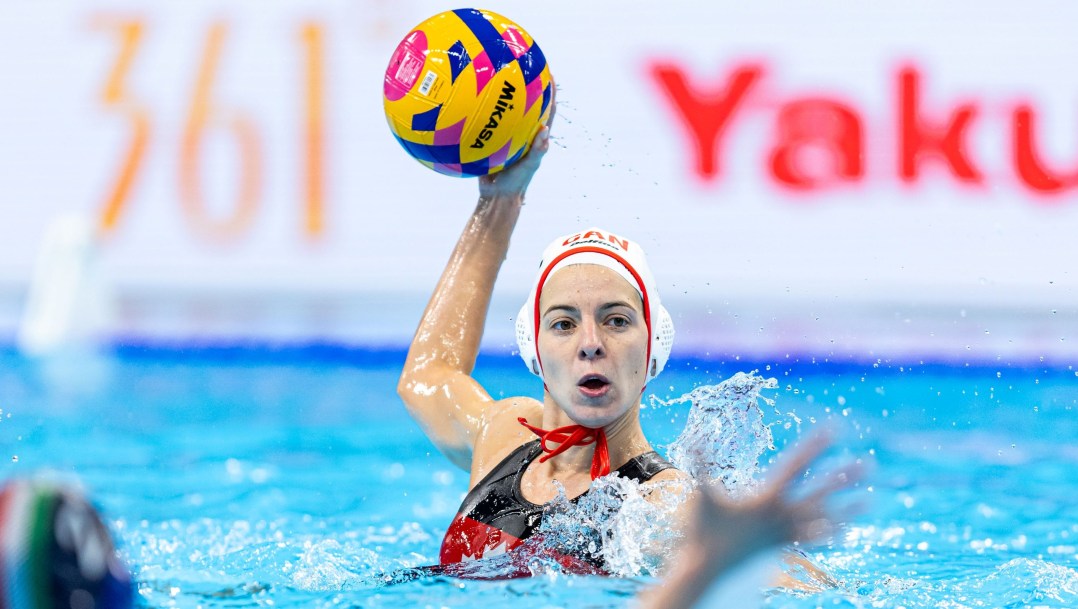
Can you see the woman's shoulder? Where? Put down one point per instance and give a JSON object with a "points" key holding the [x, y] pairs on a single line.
{"points": [[500, 432], [504, 415]]}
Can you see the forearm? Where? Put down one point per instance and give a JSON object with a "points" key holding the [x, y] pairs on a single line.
{"points": [[452, 324]]}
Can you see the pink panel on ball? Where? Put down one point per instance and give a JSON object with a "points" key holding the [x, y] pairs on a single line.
{"points": [[499, 157], [449, 135], [533, 92], [515, 41], [484, 71], [405, 65]]}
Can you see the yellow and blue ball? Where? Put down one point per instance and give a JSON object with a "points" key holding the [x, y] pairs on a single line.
{"points": [[466, 91]]}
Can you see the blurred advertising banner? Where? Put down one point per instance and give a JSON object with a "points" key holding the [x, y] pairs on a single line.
{"points": [[820, 177]]}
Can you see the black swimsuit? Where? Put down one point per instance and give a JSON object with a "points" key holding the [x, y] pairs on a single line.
{"points": [[495, 517]]}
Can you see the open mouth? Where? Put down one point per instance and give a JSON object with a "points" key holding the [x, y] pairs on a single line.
{"points": [[594, 383]]}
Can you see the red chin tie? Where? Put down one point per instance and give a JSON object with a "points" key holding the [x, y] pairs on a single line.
{"points": [[574, 435]]}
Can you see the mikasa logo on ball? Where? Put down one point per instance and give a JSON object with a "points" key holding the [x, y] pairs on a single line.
{"points": [[496, 116]]}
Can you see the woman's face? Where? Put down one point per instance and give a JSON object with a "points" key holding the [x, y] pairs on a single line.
{"points": [[592, 343]]}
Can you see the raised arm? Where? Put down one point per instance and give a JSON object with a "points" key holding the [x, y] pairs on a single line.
{"points": [[436, 383]]}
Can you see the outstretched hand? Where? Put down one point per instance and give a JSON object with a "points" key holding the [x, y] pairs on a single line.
{"points": [[723, 533], [778, 514]]}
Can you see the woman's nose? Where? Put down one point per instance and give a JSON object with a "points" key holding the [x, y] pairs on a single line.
{"points": [[591, 343]]}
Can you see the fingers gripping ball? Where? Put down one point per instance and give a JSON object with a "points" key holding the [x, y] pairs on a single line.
{"points": [[56, 551], [466, 91]]}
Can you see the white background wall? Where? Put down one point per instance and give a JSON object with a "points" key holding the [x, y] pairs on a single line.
{"points": [[872, 265]]}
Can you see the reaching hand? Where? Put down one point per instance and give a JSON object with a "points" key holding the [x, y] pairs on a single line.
{"points": [[722, 533], [777, 515]]}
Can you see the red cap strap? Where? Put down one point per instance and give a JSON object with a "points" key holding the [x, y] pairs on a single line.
{"points": [[574, 435]]}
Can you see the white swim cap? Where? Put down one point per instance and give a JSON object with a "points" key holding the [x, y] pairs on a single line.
{"points": [[624, 257]]}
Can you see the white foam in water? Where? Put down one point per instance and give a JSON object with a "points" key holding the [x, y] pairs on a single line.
{"points": [[1024, 581], [242, 560], [327, 565], [616, 522]]}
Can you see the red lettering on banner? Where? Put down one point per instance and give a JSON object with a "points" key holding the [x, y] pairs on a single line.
{"points": [[820, 142], [706, 113], [817, 124], [1027, 163], [917, 138]]}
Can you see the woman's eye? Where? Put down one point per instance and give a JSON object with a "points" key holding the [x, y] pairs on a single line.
{"points": [[562, 325], [619, 321]]}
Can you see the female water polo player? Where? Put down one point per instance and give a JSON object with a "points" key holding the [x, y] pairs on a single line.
{"points": [[593, 329]]}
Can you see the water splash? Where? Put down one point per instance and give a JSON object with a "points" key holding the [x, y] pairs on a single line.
{"points": [[725, 434], [617, 524], [326, 564], [1020, 582], [1024, 581], [183, 563], [627, 527], [624, 525]]}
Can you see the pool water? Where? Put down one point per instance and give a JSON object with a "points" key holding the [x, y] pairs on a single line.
{"points": [[293, 477]]}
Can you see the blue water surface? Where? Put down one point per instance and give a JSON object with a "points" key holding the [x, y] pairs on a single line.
{"points": [[293, 477]]}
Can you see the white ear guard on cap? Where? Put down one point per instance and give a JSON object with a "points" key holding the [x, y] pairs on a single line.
{"points": [[626, 258]]}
